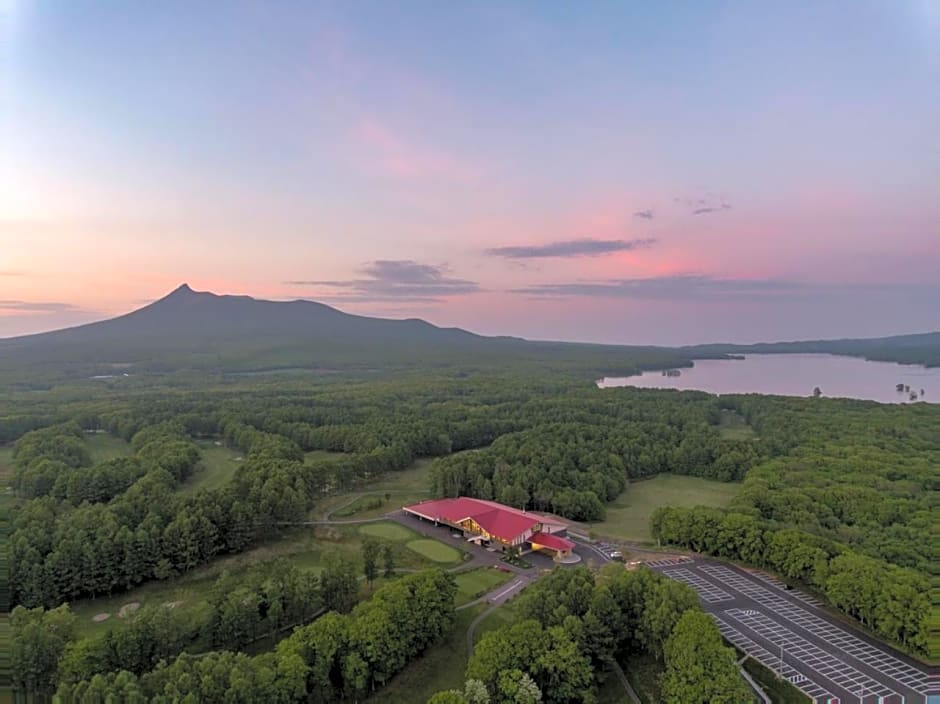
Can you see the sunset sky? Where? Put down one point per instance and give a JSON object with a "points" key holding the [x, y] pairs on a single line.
{"points": [[631, 172]]}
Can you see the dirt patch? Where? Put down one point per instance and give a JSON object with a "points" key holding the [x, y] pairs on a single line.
{"points": [[172, 604], [98, 618], [128, 609]]}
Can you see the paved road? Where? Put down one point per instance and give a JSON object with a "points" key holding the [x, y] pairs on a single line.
{"points": [[790, 633]]}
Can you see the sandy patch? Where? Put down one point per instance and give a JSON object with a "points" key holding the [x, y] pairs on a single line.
{"points": [[172, 604], [128, 609], [98, 618]]}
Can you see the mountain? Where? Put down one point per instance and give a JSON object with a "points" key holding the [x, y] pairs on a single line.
{"points": [[202, 314], [191, 330], [207, 333], [920, 348]]}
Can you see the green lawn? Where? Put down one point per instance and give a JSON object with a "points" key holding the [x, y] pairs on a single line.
{"points": [[386, 530], [734, 427], [104, 446], [216, 467], [473, 584], [628, 515], [441, 667], [434, 550], [187, 593], [415, 478]]}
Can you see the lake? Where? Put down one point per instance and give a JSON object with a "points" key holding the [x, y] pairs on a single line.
{"points": [[796, 375]]}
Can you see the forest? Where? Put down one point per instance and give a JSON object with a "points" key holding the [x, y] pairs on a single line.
{"points": [[573, 623], [835, 494]]}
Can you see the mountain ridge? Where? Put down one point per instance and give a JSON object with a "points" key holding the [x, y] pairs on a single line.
{"points": [[200, 330], [188, 329]]}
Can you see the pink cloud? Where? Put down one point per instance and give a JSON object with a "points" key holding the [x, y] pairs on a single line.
{"points": [[409, 161]]}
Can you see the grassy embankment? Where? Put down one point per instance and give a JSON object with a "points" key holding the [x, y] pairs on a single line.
{"points": [[779, 690]]}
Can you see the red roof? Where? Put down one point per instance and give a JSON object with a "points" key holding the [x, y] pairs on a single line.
{"points": [[502, 521], [555, 542]]}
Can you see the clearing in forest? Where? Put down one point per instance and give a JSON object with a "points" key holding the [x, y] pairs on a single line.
{"points": [[104, 446], [733, 426], [216, 467], [628, 516]]}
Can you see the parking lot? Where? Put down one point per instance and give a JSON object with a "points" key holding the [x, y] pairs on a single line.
{"points": [[788, 632]]}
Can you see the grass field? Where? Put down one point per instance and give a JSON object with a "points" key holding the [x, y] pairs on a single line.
{"points": [[188, 593], [734, 427], [315, 455], [104, 446], [475, 583], [373, 505], [216, 467], [407, 486], [386, 530], [628, 516], [415, 478], [434, 550]]}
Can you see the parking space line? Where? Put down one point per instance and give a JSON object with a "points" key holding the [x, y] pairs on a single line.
{"points": [[803, 651], [817, 693], [855, 647], [670, 561], [707, 591]]}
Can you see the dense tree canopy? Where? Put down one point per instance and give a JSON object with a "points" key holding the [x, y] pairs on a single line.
{"points": [[836, 494]]}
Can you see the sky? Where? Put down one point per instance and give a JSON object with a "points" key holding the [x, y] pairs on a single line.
{"points": [[640, 173]]}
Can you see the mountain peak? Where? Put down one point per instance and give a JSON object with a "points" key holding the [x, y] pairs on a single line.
{"points": [[183, 288]]}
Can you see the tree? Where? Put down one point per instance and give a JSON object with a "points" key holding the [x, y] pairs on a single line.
{"points": [[39, 639], [388, 555], [370, 554], [549, 657], [699, 668], [450, 696], [338, 585], [516, 687]]}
